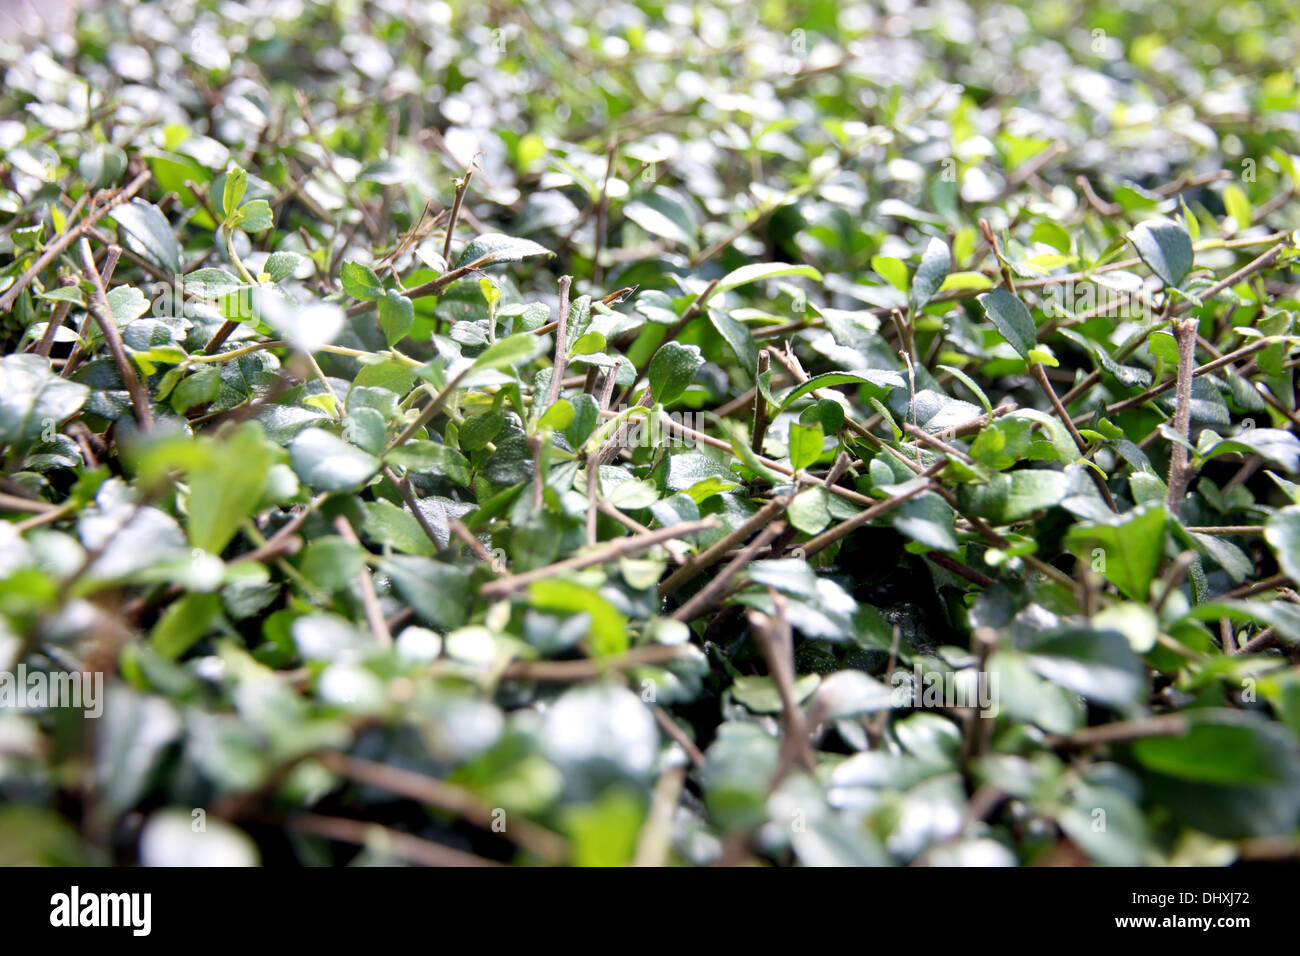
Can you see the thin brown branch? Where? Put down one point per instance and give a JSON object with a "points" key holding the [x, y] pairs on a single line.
{"points": [[587, 668], [619, 548], [1040, 376], [369, 599], [1166, 725], [715, 552], [456, 203], [413, 849], [703, 599], [103, 314], [454, 799], [1180, 469], [59, 245]]}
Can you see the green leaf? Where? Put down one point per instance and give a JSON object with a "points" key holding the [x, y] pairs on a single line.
{"points": [[1271, 443], [1126, 550], [146, 232], [763, 270], [233, 192], [971, 384], [606, 624], [1282, 531], [1097, 664], [604, 833], [687, 471], [103, 165], [225, 489], [892, 270], [1007, 498], [197, 389], [1237, 205], [328, 463], [212, 284], [127, 303], [827, 413], [672, 369], [281, 265], [927, 519], [589, 343], [1166, 248], [396, 316], [558, 416], [738, 336], [360, 281], [936, 261], [1003, 443], [255, 216], [665, 214], [71, 293], [806, 443], [432, 457], [1053, 234], [809, 510], [438, 593], [878, 384], [745, 453], [1282, 616], [586, 416], [1010, 317], [634, 494], [760, 695], [1220, 747], [501, 248], [183, 624], [509, 351], [396, 528], [33, 398], [332, 562], [476, 432]]}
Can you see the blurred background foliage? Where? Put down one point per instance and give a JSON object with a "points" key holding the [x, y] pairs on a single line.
{"points": [[659, 147]]}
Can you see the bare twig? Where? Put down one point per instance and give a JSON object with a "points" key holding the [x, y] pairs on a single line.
{"points": [[776, 641], [1180, 470], [413, 849], [588, 668], [369, 599], [1166, 725], [561, 353], [656, 835], [57, 247], [1040, 376], [619, 548], [455, 215], [760, 406], [103, 314], [449, 797], [707, 596], [714, 553]]}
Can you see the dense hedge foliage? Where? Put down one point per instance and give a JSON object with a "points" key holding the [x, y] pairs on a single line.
{"points": [[659, 432]]}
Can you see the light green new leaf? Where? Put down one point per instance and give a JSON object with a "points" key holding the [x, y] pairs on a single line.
{"points": [[806, 443]]}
